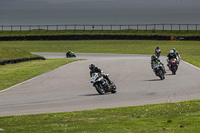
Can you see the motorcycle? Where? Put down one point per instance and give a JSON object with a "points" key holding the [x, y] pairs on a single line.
{"points": [[70, 54], [157, 52], [173, 65], [101, 84], [157, 68]]}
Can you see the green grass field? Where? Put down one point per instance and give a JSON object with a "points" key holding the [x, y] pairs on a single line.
{"points": [[102, 32], [182, 117], [189, 50], [14, 53]]}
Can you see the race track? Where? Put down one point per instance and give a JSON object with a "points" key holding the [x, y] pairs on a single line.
{"points": [[68, 88]]}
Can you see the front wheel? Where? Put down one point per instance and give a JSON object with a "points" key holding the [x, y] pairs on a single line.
{"points": [[100, 88], [113, 88], [160, 74]]}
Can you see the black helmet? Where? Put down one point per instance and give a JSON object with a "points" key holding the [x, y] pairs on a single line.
{"points": [[157, 47], [91, 66], [153, 57]]}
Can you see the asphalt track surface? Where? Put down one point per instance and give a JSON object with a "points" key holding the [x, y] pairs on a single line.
{"points": [[68, 88]]}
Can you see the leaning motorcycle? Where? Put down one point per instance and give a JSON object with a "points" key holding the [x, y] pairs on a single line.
{"points": [[157, 68], [173, 65], [157, 52], [70, 54], [101, 84]]}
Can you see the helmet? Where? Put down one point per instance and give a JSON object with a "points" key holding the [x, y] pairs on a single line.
{"points": [[153, 57], [171, 51], [91, 66], [174, 49], [157, 47]]}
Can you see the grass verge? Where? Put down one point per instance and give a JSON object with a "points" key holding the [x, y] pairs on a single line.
{"points": [[14, 53], [182, 117], [12, 74], [101, 32], [189, 50]]}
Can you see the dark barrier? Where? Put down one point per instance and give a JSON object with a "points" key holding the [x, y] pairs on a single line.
{"points": [[95, 37], [85, 37], [189, 38], [4, 62]]}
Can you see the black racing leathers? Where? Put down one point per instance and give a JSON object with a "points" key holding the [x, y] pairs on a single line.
{"points": [[171, 56]]}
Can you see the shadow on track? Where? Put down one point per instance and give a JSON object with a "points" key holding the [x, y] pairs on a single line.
{"points": [[91, 95], [96, 94], [153, 80]]}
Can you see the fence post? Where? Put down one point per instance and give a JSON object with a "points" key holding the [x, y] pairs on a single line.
{"points": [[163, 27], [186, 27], [92, 27]]}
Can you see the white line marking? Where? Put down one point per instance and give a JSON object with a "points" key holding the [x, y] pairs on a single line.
{"points": [[18, 84], [191, 65]]}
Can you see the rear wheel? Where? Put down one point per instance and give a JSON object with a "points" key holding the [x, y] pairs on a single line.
{"points": [[174, 70], [100, 89]]}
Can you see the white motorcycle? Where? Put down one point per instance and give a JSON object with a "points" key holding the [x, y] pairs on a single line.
{"points": [[157, 68], [157, 52], [101, 84]]}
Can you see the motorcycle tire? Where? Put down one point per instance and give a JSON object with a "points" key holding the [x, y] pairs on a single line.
{"points": [[174, 70], [100, 89], [160, 74], [113, 88]]}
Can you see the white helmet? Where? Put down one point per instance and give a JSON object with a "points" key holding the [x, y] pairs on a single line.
{"points": [[171, 51]]}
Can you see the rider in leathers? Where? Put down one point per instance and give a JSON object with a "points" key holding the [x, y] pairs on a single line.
{"points": [[94, 69], [176, 52], [171, 55], [157, 54], [155, 60]]}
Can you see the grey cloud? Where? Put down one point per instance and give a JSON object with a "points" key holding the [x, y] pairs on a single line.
{"points": [[66, 1], [101, 4]]}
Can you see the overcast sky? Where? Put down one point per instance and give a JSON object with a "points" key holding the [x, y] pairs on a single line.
{"points": [[7, 4], [103, 11]]}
